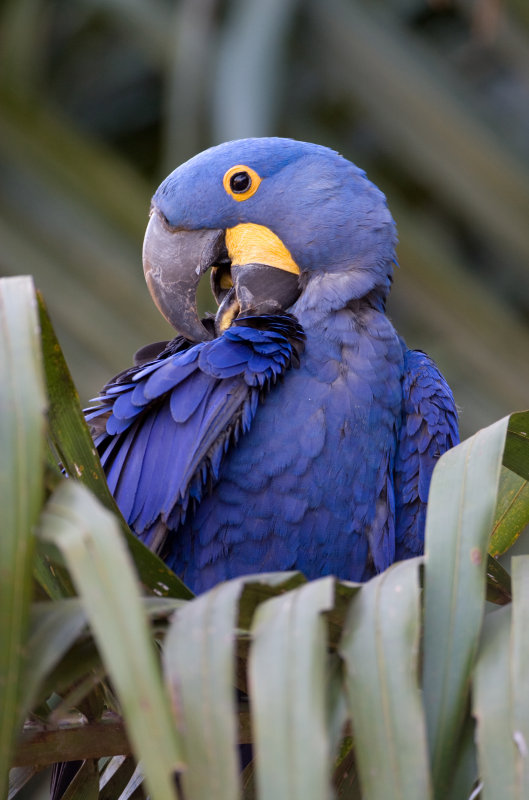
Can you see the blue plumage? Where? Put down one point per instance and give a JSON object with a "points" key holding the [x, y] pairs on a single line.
{"points": [[301, 440], [429, 428], [175, 417]]}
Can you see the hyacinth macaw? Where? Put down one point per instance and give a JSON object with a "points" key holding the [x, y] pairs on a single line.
{"points": [[294, 429]]}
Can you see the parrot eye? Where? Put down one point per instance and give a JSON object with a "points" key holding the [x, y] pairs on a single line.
{"points": [[241, 182]]}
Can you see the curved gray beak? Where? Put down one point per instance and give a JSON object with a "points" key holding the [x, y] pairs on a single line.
{"points": [[173, 262]]}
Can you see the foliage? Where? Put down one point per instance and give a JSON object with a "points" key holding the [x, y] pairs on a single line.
{"points": [[100, 99], [378, 689]]}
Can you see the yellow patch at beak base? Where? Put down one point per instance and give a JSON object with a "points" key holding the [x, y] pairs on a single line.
{"points": [[249, 243]]}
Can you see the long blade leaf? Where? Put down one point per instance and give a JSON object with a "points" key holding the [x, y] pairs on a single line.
{"points": [[199, 665], [89, 540], [380, 648], [22, 405], [287, 669], [460, 514]]}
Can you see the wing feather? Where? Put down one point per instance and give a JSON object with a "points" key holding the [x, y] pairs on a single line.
{"points": [[170, 422], [429, 428]]}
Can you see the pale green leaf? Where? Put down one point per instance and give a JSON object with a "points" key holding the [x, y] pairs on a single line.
{"points": [[520, 672], [380, 649], [287, 682], [199, 665], [492, 708], [461, 507], [90, 541]]}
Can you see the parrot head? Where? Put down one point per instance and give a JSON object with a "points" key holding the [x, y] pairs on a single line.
{"points": [[278, 222]]}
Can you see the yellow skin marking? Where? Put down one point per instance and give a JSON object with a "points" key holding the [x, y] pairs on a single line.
{"points": [[249, 243], [228, 316]]}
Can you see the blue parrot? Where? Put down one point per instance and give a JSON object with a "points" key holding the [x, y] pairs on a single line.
{"points": [[294, 429]]}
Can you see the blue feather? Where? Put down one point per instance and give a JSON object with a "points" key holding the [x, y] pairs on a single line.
{"points": [[430, 428]]}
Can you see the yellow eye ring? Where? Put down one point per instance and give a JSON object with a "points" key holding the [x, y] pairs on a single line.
{"points": [[241, 182]]}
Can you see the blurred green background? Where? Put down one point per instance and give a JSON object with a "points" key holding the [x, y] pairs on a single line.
{"points": [[99, 99]]}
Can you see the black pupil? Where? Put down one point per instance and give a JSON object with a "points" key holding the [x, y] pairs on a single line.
{"points": [[240, 182]]}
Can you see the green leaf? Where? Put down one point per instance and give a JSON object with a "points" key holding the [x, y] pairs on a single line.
{"points": [[287, 678], [71, 438], [498, 583], [461, 507], [512, 511], [54, 627], [380, 649], [199, 666], [51, 580], [516, 456], [89, 539], [22, 407]]}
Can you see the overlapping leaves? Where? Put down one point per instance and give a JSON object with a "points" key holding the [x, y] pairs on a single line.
{"points": [[329, 675]]}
